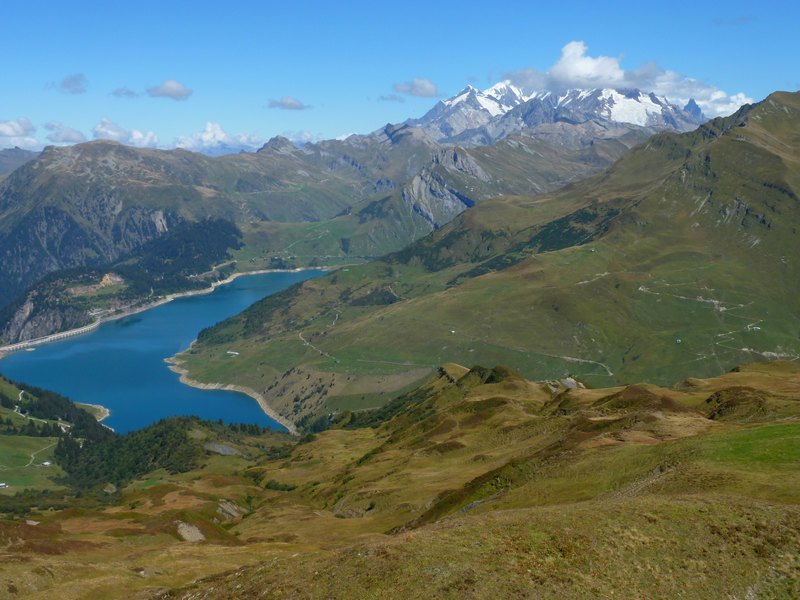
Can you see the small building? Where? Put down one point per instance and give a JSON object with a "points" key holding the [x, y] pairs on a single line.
{"points": [[3, 484]]}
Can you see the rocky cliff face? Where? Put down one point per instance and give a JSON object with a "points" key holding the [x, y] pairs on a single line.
{"points": [[35, 319], [91, 232]]}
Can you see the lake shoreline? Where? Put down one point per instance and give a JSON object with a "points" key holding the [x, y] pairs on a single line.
{"points": [[103, 412], [175, 366], [55, 337], [198, 314]]}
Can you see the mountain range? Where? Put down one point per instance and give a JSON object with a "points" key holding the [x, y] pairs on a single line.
{"points": [[475, 117], [92, 205], [675, 260], [631, 271]]}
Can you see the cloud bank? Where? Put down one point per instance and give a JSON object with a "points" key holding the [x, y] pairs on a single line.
{"points": [[170, 89], [106, 129], [391, 98], [61, 134], [288, 103], [124, 92], [419, 86], [17, 133], [214, 137], [576, 69], [74, 84]]}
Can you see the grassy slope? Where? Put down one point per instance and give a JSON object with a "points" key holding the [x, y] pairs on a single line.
{"points": [[492, 485], [679, 259], [16, 467]]}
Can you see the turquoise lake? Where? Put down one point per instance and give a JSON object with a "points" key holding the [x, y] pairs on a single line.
{"points": [[121, 363]]}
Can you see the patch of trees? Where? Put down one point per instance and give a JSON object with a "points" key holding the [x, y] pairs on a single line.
{"points": [[44, 404], [120, 459], [247, 428], [161, 266], [30, 429], [23, 502], [272, 484], [5, 401], [166, 264], [253, 319]]}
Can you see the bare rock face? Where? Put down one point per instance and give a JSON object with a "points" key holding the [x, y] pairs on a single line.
{"points": [[188, 532], [36, 318], [71, 208], [456, 159], [432, 197]]}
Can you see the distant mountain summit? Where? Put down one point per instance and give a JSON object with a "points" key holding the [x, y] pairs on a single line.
{"points": [[13, 158], [475, 117], [469, 109]]}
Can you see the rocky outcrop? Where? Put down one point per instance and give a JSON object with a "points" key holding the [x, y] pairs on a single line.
{"points": [[35, 318], [50, 238], [456, 159], [432, 197]]}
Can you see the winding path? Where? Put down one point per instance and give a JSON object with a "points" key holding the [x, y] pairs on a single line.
{"points": [[33, 454], [312, 346]]}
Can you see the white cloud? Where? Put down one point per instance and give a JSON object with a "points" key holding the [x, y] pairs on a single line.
{"points": [[18, 133], [419, 86], [303, 137], [214, 137], [124, 92], [20, 127], [575, 69], [143, 139], [391, 98], [288, 103], [106, 129], [170, 89], [61, 134], [74, 84]]}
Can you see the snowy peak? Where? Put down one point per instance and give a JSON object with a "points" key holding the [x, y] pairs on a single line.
{"points": [[475, 117], [496, 100], [619, 106], [507, 94], [469, 109], [633, 107], [471, 98]]}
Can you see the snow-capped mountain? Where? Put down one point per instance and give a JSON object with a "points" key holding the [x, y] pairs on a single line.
{"points": [[474, 117], [469, 109], [623, 106]]}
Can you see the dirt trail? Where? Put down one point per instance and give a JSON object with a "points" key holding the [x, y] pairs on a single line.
{"points": [[33, 454]]}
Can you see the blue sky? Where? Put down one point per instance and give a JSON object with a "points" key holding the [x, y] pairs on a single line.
{"points": [[245, 71]]}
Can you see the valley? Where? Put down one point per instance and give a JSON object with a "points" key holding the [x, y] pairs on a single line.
{"points": [[538, 338], [121, 363]]}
